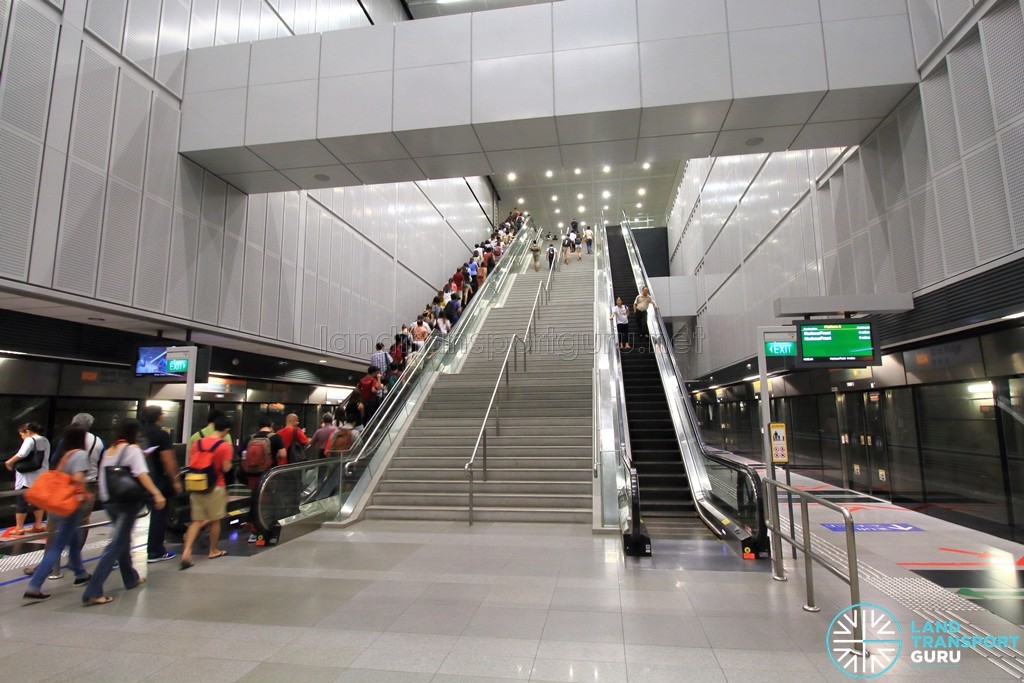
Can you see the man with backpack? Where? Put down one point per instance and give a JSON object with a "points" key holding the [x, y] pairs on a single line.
{"points": [[209, 460], [294, 439], [259, 453]]}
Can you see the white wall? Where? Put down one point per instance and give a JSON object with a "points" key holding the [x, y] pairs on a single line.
{"points": [[96, 201], [935, 192]]}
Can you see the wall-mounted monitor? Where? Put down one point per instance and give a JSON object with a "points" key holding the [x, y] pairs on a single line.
{"points": [[836, 344], [151, 362]]}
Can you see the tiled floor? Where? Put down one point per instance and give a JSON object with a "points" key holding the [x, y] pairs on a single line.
{"points": [[442, 602]]}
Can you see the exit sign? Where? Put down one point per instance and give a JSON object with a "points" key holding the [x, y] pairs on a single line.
{"points": [[177, 365], [779, 348]]}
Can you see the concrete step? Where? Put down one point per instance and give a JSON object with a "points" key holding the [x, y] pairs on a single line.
{"points": [[494, 474], [442, 433], [505, 461], [481, 514], [491, 486], [484, 499], [538, 408]]}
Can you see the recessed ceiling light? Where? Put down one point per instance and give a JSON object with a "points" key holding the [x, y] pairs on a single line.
{"points": [[322, 360], [577, 171], [98, 320], [549, 173], [522, 201], [639, 205], [582, 208], [561, 224], [579, 195], [606, 221], [605, 207], [641, 192], [607, 169], [511, 176], [606, 194], [558, 211], [754, 141], [554, 197], [322, 177], [647, 165]]}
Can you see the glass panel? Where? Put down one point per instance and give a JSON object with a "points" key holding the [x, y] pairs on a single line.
{"points": [[831, 457], [901, 435], [960, 449], [805, 435], [1013, 416], [107, 415]]}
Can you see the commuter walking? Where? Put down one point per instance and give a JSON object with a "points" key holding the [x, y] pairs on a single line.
{"points": [[322, 436], [74, 460], [122, 511], [535, 253], [620, 314], [27, 464], [163, 468], [380, 358], [211, 453], [588, 235]]}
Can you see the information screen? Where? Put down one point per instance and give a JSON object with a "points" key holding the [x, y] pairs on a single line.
{"points": [[836, 344], [152, 361]]}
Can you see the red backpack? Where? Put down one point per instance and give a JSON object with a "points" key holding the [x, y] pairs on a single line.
{"points": [[257, 454]]}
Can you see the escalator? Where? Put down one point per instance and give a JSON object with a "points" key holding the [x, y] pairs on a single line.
{"points": [[666, 503]]}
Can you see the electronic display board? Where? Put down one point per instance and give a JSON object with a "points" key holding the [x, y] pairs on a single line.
{"points": [[836, 344]]}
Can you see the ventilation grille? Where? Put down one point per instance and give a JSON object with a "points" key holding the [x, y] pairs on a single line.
{"points": [[161, 159], [81, 219], [952, 11], [970, 93], [105, 20], [901, 242], [915, 144], [120, 235], [954, 222], [1003, 33], [170, 61], [19, 182], [928, 245], [28, 72], [5, 14], [94, 109], [989, 213], [151, 269], [131, 128], [1011, 142], [937, 98], [924, 24]]}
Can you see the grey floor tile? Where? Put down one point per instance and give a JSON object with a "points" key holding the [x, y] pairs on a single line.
{"points": [[507, 622], [656, 602], [749, 633], [487, 665], [663, 629], [591, 652], [273, 672], [40, 662], [158, 644], [410, 661], [586, 599], [116, 666], [519, 596], [362, 617], [595, 627], [415, 641], [501, 647], [578, 670], [335, 637], [452, 678], [203, 669], [770, 676], [439, 618], [671, 673], [329, 656], [687, 657], [764, 660], [382, 676]]}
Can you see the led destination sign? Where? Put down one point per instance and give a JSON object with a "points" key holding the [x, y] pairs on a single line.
{"points": [[836, 344]]}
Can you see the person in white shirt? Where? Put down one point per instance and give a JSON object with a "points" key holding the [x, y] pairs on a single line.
{"points": [[32, 445], [620, 314]]}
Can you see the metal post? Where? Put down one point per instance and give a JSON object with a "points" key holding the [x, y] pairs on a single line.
{"points": [[851, 558], [470, 473], [778, 566], [778, 571], [485, 455], [805, 522]]}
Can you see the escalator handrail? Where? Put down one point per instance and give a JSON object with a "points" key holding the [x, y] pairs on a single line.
{"points": [[640, 273]]}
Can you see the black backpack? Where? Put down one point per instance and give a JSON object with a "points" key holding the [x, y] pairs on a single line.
{"points": [[296, 452]]}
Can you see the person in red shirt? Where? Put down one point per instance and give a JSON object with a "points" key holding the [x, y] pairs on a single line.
{"points": [[458, 279], [292, 433], [209, 507], [370, 389]]}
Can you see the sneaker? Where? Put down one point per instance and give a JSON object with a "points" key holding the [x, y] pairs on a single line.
{"points": [[82, 580], [163, 558], [56, 575], [116, 565], [252, 538]]}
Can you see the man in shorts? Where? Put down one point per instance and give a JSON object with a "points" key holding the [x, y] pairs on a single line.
{"points": [[209, 507]]}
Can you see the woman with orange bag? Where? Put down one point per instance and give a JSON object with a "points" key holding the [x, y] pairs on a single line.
{"points": [[74, 460]]}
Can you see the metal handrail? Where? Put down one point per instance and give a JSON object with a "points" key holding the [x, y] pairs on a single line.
{"points": [[852, 575], [482, 435]]}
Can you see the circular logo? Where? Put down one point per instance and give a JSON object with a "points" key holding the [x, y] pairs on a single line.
{"points": [[863, 640]]}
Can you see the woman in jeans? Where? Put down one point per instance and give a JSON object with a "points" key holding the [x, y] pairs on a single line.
{"points": [[122, 514], [74, 460]]}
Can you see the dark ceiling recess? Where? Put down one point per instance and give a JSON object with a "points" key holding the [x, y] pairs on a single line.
{"points": [[408, 12]]}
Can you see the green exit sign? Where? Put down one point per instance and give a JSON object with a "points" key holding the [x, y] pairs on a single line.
{"points": [[779, 348], [177, 365]]}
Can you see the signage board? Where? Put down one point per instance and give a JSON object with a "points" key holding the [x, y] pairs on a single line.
{"points": [[836, 344], [777, 436]]}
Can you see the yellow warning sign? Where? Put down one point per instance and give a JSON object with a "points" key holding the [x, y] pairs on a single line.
{"points": [[777, 435]]}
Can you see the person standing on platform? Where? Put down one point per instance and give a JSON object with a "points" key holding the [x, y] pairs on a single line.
{"points": [[163, 468], [209, 507], [37, 448], [620, 314]]}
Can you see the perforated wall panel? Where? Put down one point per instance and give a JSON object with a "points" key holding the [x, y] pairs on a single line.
{"points": [[131, 128], [211, 250], [170, 60], [28, 71], [141, 32], [952, 11], [954, 222], [154, 241], [925, 27], [937, 99], [105, 20], [971, 97], [228, 14], [252, 268], [1002, 34], [5, 15], [914, 144], [883, 270], [234, 257], [928, 245], [1011, 144], [94, 109], [184, 252], [989, 214], [81, 221], [19, 183], [118, 245]]}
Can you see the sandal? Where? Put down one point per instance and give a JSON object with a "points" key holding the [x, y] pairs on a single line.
{"points": [[15, 532], [142, 580], [220, 553], [36, 529], [187, 565], [102, 600], [33, 598]]}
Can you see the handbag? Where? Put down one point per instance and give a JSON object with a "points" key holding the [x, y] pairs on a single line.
{"points": [[31, 462], [122, 485], [56, 491]]}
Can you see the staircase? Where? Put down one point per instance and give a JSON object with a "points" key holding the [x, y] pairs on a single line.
{"points": [[666, 503], [540, 468]]}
